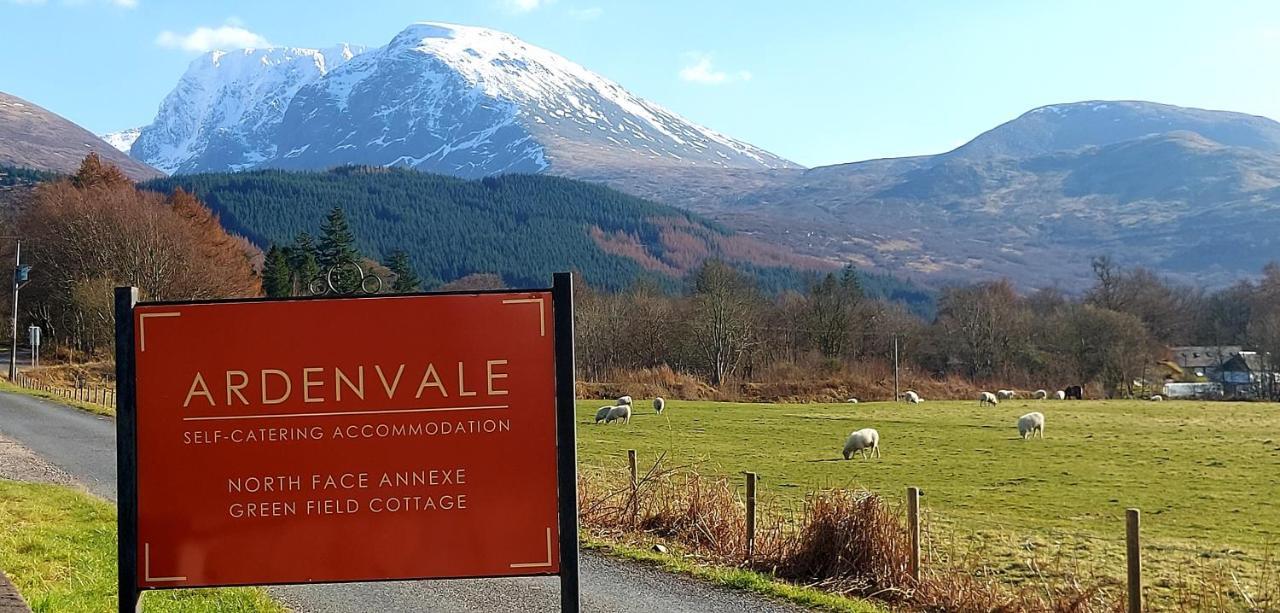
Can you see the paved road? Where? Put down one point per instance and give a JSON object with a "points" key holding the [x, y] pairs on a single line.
{"points": [[84, 446]]}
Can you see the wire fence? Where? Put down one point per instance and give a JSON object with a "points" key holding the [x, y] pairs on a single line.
{"points": [[93, 394]]}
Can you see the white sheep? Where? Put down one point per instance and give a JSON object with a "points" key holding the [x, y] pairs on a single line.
{"points": [[1031, 424], [1006, 394], [1060, 395], [912, 397], [860, 441], [624, 400], [603, 413], [1041, 394], [620, 413], [1157, 398], [852, 401], [987, 398], [659, 404]]}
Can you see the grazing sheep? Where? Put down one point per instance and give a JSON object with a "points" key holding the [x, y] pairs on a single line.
{"points": [[624, 400], [1060, 395], [912, 397], [987, 398], [621, 413], [852, 401], [659, 404], [1041, 394], [603, 413], [1157, 398], [1031, 424], [1006, 394], [860, 441], [1075, 392]]}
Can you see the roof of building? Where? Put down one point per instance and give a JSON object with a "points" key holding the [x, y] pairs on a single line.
{"points": [[1249, 361], [1205, 356]]}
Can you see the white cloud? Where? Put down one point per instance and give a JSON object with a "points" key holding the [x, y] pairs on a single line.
{"points": [[524, 6], [700, 69], [205, 38], [587, 14]]}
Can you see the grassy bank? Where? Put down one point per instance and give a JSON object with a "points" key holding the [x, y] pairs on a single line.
{"points": [[58, 546], [1021, 511], [97, 409]]}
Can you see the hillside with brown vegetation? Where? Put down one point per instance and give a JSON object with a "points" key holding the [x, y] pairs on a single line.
{"points": [[34, 137]]}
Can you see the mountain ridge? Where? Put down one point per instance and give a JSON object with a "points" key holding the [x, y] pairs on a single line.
{"points": [[1035, 210], [34, 137], [438, 97]]}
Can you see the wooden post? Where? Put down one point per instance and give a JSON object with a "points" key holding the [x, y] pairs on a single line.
{"points": [[751, 516], [1133, 555], [896, 391], [913, 527], [635, 487]]}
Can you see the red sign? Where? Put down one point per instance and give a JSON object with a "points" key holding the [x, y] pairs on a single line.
{"points": [[346, 439]]}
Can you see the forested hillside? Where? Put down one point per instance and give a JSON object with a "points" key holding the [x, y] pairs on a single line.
{"points": [[521, 227]]}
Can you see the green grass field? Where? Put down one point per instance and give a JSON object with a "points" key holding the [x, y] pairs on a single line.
{"points": [[1206, 475], [58, 546]]}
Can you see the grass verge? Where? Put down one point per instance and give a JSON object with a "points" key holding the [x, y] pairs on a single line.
{"points": [[96, 409], [58, 546], [733, 577]]}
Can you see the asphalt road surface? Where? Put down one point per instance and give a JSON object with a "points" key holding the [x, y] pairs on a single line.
{"points": [[83, 445]]}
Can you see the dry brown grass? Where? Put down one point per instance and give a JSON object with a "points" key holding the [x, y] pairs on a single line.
{"points": [[648, 383], [783, 382], [98, 373], [846, 542]]}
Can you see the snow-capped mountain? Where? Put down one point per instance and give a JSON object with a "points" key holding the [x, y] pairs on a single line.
{"points": [[443, 98], [227, 108], [122, 140]]}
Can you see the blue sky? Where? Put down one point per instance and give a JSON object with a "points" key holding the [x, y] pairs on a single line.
{"points": [[819, 82]]}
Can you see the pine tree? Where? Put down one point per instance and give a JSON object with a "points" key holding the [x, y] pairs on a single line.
{"points": [[337, 252], [303, 263], [277, 278], [850, 283], [337, 245], [406, 279]]}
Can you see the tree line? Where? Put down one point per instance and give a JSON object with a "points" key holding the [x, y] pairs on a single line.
{"points": [[86, 234], [333, 264], [725, 329]]}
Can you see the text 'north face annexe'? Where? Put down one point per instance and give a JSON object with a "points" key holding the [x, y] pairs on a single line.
{"points": [[336, 384]]}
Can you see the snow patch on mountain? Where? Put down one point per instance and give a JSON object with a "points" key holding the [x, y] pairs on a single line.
{"points": [[438, 97], [122, 140], [225, 109]]}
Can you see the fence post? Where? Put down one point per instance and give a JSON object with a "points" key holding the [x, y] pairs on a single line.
{"points": [[751, 516], [1133, 555], [913, 528], [635, 487]]}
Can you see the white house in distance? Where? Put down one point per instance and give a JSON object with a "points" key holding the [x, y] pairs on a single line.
{"points": [[1226, 371]]}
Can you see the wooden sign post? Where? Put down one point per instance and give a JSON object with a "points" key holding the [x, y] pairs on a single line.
{"points": [[318, 440]]}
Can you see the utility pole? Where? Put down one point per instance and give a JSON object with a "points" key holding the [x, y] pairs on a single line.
{"points": [[13, 323], [896, 392]]}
